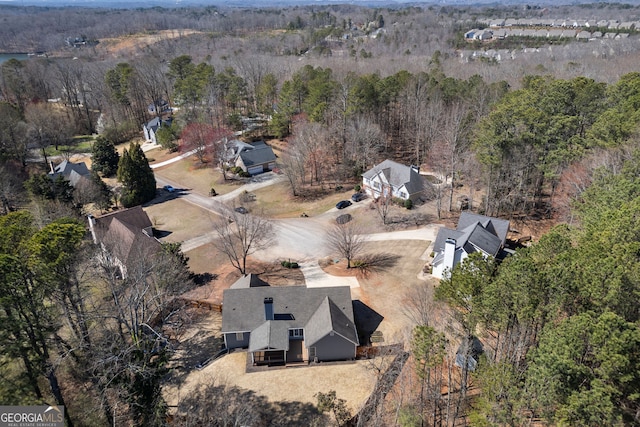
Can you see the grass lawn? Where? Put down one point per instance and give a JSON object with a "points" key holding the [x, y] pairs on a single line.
{"points": [[276, 201], [183, 219], [80, 144], [198, 179]]}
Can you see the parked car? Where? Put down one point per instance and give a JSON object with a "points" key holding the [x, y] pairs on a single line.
{"points": [[356, 197], [169, 188], [343, 204], [241, 209]]}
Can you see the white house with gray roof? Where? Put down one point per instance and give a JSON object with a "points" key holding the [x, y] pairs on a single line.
{"points": [[475, 233], [289, 324], [150, 129], [393, 179], [253, 158]]}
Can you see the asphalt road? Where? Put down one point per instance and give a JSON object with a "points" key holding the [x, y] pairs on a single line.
{"points": [[299, 239]]}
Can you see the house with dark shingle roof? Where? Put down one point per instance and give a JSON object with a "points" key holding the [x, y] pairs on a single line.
{"points": [[393, 179], [72, 172], [289, 324], [126, 237], [475, 233], [253, 158]]}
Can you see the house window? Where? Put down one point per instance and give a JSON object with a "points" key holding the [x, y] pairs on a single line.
{"points": [[296, 333], [376, 185], [239, 336], [403, 195]]}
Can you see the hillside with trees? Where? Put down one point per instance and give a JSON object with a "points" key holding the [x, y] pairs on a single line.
{"points": [[546, 136]]}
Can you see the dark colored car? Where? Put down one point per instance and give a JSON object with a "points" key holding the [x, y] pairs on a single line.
{"points": [[343, 204], [356, 197], [241, 209]]}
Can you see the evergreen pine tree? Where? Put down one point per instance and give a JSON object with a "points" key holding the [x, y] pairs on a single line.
{"points": [[105, 157], [136, 176]]}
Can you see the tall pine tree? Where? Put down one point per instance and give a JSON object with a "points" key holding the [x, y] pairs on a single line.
{"points": [[105, 157], [136, 176]]}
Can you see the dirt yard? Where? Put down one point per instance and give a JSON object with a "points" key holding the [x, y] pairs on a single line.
{"points": [[127, 45], [385, 287]]}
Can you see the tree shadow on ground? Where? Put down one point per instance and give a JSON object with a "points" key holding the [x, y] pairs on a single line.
{"points": [[223, 405], [275, 274], [202, 279], [293, 414], [199, 354], [375, 263], [367, 321], [416, 219]]}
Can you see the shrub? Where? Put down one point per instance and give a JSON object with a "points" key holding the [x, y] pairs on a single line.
{"points": [[408, 203], [289, 264], [357, 188]]}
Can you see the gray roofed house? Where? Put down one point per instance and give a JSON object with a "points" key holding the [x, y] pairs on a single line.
{"points": [[249, 281], [290, 324], [469, 351], [72, 172], [151, 128], [474, 233], [393, 179], [253, 158]]}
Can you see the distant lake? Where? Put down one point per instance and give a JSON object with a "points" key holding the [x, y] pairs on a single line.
{"points": [[7, 56]]}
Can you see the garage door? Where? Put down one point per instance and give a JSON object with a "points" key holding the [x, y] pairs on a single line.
{"points": [[255, 170]]}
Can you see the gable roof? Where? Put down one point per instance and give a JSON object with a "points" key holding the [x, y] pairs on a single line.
{"points": [[156, 122], [66, 168], [260, 153], [126, 234], [475, 232], [397, 175], [329, 318], [271, 335], [249, 281], [499, 227], [297, 306]]}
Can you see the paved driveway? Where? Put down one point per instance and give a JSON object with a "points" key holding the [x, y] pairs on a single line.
{"points": [[300, 239]]}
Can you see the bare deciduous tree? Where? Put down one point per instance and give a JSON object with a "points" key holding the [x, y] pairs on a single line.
{"points": [[454, 137], [240, 235], [383, 205], [293, 165], [364, 141], [347, 240]]}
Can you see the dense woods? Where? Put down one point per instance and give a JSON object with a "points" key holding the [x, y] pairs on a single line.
{"points": [[553, 136]]}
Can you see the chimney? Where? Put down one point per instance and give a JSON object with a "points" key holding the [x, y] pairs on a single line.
{"points": [[268, 308], [92, 223], [449, 256], [415, 168], [53, 168]]}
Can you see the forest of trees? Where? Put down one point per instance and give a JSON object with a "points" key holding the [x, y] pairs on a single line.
{"points": [[554, 141]]}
